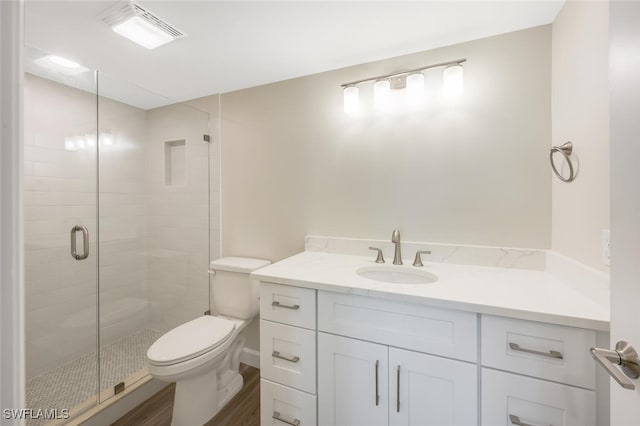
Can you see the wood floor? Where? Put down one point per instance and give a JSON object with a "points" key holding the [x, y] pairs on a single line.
{"points": [[242, 410]]}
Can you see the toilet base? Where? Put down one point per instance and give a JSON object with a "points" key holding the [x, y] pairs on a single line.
{"points": [[202, 395], [195, 399]]}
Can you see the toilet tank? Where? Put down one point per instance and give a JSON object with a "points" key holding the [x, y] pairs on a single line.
{"points": [[233, 292]]}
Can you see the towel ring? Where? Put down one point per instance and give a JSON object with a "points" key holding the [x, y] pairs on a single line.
{"points": [[565, 149]]}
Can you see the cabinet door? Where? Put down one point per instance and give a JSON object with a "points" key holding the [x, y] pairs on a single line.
{"points": [[427, 390], [352, 382]]}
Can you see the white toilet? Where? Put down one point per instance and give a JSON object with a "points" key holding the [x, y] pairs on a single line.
{"points": [[202, 356]]}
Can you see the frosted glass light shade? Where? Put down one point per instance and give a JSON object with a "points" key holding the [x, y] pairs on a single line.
{"points": [[142, 32], [351, 99], [415, 87], [382, 94], [452, 82]]}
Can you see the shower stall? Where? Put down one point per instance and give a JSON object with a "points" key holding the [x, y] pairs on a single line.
{"points": [[121, 191]]}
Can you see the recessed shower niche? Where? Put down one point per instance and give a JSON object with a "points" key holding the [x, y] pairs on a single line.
{"points": [[175, 168]]}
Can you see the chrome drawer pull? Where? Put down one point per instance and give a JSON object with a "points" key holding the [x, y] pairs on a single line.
{"points": [[276, 416], [515, 420], [550, 354], [377, 394], [276, 354], [398, 391], [280, 305]]}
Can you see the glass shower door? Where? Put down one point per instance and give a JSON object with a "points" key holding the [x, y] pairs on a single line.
{"points": [[154, 225], [60, 148]]}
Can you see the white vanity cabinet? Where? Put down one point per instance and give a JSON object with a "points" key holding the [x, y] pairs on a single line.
{"points": [[370, 371], [372, 384], [336, 359]]}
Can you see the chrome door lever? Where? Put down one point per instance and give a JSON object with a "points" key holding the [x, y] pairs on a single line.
{"points": [[625, 356]]}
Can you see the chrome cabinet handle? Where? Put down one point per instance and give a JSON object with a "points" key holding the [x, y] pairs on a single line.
{"points": [[550, 354], [85, 242], [276, 354], [380, 257], [398, 390], [418, 260], [625, 356], [515, 420], [377, 393], [276, 416], [280, 305]]}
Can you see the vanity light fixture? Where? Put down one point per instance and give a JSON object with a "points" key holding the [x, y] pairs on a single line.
{"points": [[351, 99], [382, 94], [452, 82], [412, 80], [139, 25], [415, 87]]}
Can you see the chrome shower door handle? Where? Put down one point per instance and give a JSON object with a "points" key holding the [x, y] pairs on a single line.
{"points": [[85, 242], [625, 356]]}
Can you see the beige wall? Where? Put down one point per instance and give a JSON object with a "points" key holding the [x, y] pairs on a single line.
{"points": [[580, 113], [476, 173]]}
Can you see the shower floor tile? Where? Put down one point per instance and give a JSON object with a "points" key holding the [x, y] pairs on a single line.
{"points": [[75, 382]]}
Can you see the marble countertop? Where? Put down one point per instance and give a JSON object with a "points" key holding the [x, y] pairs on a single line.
{"points": [[516, 293]]}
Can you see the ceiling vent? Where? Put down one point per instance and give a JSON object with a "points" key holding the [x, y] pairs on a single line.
{"points": [[140, 25]]}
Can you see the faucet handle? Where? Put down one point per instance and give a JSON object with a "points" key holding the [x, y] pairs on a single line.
{"points": [[418, 260], [380, 258]]}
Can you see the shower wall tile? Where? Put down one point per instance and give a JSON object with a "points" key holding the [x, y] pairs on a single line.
{"points": [[178, 221]]}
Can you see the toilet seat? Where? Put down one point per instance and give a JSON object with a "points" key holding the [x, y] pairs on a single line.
{"points": [[190, 340]]}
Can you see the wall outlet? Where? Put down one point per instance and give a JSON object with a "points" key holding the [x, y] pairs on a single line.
{"points": [[606, 247]]}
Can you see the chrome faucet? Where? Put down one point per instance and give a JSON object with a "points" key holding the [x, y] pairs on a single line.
{"points": [[397, 256]]}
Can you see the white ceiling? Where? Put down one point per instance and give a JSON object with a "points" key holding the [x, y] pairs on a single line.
{"points": [[235, 44]]}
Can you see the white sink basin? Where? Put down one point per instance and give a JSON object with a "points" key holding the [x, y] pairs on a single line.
{"points": [[396, 274]]}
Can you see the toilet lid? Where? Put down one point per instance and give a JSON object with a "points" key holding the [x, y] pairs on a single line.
{"points": [[190, 340]]}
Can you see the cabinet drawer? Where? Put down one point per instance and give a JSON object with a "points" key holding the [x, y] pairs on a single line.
{"points": [[286, 404], [288, 305], [551, 352], [534, 402], [424, 329], [288, 355]]}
